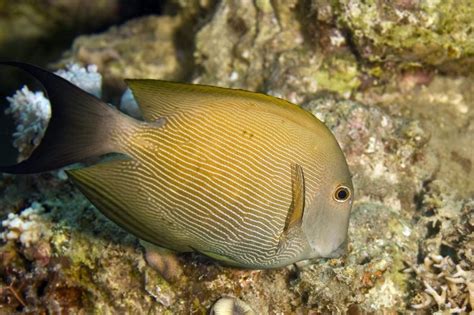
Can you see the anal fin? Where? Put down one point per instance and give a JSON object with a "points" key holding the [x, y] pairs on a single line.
{"points": [[114, 189], [219, 257]]}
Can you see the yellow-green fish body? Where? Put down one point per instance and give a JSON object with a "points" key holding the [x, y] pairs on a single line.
{"points": [[244, 178]]}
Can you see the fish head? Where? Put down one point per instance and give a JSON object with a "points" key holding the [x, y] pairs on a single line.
{"points": [[326, 220]]}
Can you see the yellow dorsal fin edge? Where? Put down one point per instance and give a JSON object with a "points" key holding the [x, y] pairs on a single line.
{"points": [[158, 98]]}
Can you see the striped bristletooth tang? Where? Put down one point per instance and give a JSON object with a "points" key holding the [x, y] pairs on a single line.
{"points": [[244, 178]]}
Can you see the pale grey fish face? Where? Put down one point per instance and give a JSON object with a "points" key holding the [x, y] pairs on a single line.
{"points": [[326, 220]]}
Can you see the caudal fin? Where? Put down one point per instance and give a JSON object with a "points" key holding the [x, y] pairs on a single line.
{"points": [[80, 127]]}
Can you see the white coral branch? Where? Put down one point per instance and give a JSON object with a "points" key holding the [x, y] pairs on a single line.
{"points": [[462, 273], [427, 300], [470, 288], [440, 299]]}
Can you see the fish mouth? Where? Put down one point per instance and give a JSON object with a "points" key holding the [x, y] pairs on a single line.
{"points": [[339, 251]]}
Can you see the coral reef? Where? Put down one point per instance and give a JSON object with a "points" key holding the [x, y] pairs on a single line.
{"points": [[444, 268], [31, 111], [368, 279], [443, 105], [386, 154], [27, 228], [264, 46], [447, 286], [389, 160], [143, 48], [87, 78], [374, 72], [58, 271], [435, 33]]}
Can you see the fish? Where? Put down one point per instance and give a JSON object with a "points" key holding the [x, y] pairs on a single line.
{"points": [[247, 179]]}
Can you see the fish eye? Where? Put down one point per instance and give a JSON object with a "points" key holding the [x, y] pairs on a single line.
{"points": [[342, 193]]}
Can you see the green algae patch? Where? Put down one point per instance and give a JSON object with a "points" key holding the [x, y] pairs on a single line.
{"points": [[338, 74], [428, 32]]}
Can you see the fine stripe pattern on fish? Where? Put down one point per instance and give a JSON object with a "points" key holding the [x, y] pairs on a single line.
{"points": [[242, 177], [197, 180]]}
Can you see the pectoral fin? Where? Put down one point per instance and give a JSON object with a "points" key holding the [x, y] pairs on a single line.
{"points": [[296, 211]]}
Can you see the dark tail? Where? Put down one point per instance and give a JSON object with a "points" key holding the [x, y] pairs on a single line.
{"points": [[80, 126]]}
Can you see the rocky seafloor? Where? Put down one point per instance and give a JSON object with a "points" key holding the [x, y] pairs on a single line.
{"points": [[395, 83]]}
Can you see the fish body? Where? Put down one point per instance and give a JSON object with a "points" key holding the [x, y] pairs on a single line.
{"points": [[244, 178]]}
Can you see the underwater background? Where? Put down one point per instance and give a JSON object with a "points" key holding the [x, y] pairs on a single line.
{"points": [[394, 81]]}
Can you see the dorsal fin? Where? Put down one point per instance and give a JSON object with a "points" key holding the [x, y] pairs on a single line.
{"points": [[163, 98]]}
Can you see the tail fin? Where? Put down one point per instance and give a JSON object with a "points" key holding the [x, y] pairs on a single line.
{"points": [[80, 126]]}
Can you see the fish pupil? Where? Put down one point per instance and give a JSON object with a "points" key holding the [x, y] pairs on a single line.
{"points": [[342, 194]]}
